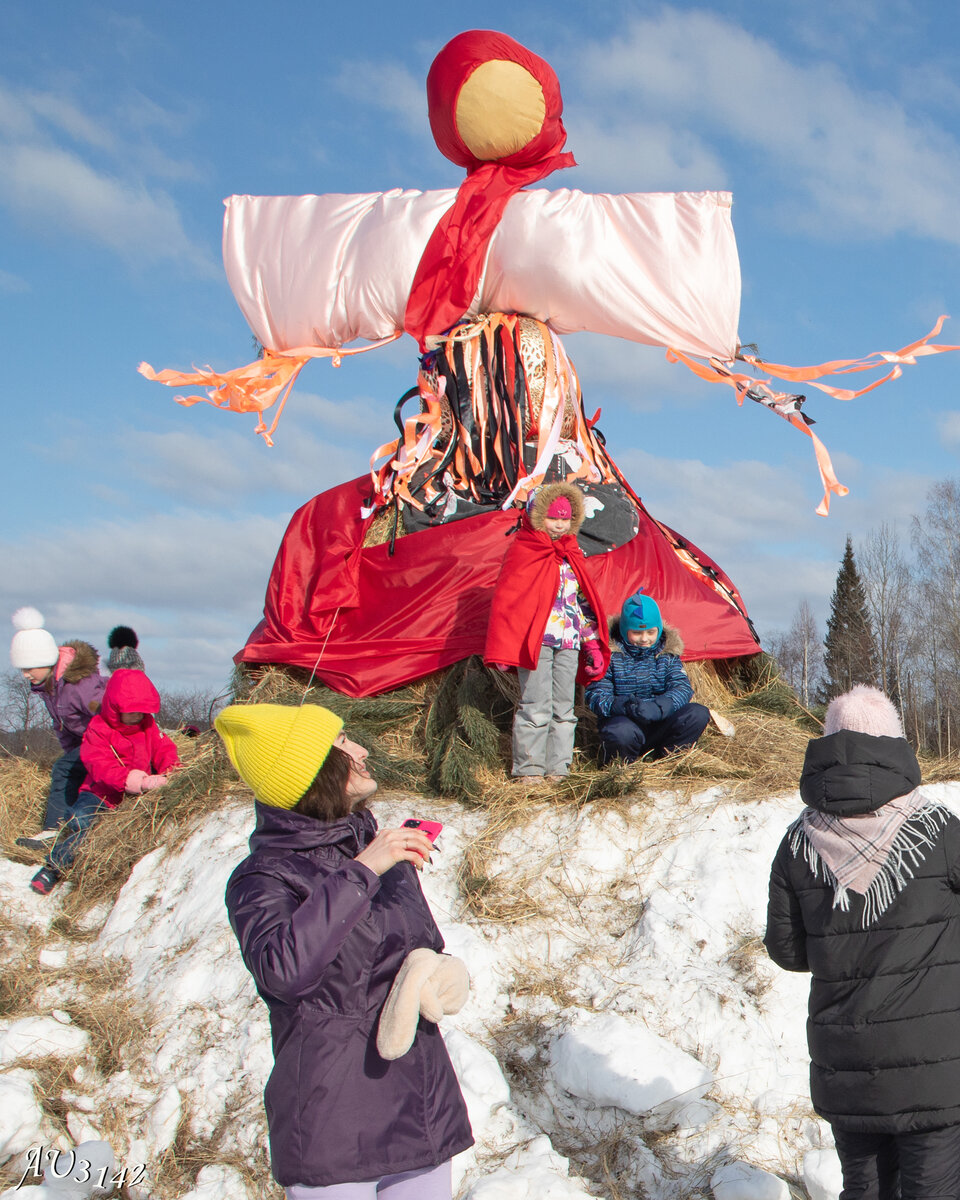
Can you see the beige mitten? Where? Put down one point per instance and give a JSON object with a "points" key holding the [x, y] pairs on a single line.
{"points": [[427, 984], [401, 1013], [447, 988]]}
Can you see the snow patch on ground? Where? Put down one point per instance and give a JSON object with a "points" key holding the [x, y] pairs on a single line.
{"points": [[627, 1033]]}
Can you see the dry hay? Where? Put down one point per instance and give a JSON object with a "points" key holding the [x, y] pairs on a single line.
{"points": [[390, 725], [23, 796], [177, 1168], [20, 947], [450, 734], [764, 757], [940, 770], [117, 1021], [502, 897]]}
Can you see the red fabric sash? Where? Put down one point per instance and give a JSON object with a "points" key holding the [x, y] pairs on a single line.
{"points": [[452, 263]]}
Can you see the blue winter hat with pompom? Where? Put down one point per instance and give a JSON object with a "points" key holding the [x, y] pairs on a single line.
{"points": [[640, 612]]}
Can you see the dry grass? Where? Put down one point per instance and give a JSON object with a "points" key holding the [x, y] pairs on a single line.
{"points": [[176, 1171], [744, 958], [118, 1024], [940, 770], [23, 796], [501, 897], [20, 947], [764, 757]]}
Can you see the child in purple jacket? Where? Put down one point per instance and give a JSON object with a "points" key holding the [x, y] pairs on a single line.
{"points": [[68, 681]]}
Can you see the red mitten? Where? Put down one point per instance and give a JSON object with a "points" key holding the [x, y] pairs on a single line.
{"points": [[134, 784], [153, 781], [594, 667]]}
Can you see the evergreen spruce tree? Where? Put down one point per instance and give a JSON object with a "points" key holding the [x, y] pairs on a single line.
{"points": [[849, 649]]}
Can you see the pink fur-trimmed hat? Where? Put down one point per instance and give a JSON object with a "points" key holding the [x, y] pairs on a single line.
{"points": [[863, 710]]}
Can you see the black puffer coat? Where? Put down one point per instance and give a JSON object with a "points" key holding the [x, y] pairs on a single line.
{"points": [[884, 1016]]}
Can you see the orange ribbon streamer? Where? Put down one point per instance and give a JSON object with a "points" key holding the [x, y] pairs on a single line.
{"points": [[715, 371], [258, 385]]}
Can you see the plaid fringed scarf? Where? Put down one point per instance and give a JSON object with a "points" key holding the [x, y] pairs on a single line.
{"points": [[873, 854]]}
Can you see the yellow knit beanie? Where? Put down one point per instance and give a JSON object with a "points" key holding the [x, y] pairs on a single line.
{"points": [[276, 748]]}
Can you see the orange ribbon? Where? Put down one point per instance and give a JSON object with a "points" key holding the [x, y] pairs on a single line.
{"points": [[715, 371], [258, 385]]}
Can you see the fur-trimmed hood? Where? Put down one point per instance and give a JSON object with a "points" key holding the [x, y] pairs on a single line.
{"points": [[85, 661], [669, 642], [546, 495]]}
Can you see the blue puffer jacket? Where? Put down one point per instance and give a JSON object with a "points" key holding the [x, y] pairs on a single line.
{"points": [[324, 937], [651, 673]]}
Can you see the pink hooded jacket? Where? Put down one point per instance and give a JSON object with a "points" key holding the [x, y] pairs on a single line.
{"points": [[110, 750]]}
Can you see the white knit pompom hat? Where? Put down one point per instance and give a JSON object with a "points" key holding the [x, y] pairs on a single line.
{"points": [[32, 645], [863, 710]]}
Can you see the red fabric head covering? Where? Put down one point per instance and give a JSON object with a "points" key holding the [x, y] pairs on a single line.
{"points": [[449, 271]]}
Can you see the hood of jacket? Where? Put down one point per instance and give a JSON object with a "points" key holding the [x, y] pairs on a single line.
{"points": [[669, 641], [849, 773], [129, 691], [283, 829], [546, 495], [83, 662]]}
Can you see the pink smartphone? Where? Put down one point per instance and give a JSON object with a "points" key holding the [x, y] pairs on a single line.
{"points": [[430, 828]]}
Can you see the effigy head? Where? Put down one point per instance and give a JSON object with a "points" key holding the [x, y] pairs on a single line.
{"points": [[492, 100]]}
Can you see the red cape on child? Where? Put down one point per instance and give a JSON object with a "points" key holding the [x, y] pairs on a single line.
{"points": [[523, 597]]}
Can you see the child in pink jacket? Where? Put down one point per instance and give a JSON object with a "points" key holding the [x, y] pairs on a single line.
{"points": [[124, 753]]}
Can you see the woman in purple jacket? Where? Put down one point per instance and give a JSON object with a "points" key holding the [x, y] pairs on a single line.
{"points": [[326, 909]]}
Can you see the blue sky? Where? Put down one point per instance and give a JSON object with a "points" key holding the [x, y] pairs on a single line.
{"points": [[123, 126]]}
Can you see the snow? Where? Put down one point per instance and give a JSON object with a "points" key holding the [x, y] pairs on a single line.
{"points": [[741, 1181], [36, 1037], [821, 1174], [625, 1029], [612, 1060], [21, 1119]]}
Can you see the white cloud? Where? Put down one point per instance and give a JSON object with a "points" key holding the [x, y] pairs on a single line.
{"points": [[647, 155], [11, 283], [948, 430], [635, 377], [756, 520], [389, 87], [54, 186], [192, 585], [64, 115], [179, 560], [850, 161], [51, 183], [220, 471]]}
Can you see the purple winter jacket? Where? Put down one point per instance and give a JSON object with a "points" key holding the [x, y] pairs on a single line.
{"points": [[73, 695], [324, 938]]}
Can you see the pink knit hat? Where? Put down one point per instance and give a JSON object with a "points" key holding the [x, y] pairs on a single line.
{"points": [[561, 509], [863, 710]]}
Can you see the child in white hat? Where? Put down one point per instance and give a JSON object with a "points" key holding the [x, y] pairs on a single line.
{"points": [[68, 681]]}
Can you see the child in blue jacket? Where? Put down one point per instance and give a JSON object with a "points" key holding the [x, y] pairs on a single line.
{"points": [[643, 702]]}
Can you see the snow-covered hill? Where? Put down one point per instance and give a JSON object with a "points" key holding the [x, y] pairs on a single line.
{"points": [[625, 1036]]}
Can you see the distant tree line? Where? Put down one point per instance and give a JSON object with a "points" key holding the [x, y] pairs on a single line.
{"points": [[894, 623], [25, 724]]}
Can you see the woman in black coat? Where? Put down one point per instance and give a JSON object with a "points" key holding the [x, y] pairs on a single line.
{"points": [[327, 910], [864, 896]]}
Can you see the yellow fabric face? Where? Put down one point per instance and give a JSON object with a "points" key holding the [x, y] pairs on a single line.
{"points": [[499, 110], [278, 749]]}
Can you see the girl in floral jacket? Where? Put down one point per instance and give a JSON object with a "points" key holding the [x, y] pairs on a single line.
{"points": [[547, 621]]}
